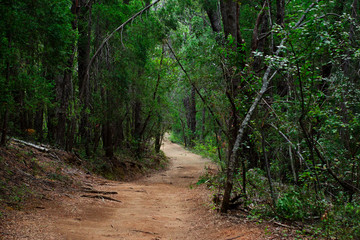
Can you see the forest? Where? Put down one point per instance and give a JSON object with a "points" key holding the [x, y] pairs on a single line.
{"points": [[268, 89]]}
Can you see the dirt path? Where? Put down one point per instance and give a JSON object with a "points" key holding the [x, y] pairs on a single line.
{"points": [[152, 208], [162, 206]]}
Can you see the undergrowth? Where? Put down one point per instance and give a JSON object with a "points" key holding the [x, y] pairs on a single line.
{"points": [[317, 217], [124, 166]]}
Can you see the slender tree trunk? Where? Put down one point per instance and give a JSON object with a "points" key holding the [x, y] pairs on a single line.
{"points": [[258, 42], [267, 165], [84, 29], [107, 136], [51, 115], [352, 37], [38, 123], [192, 116], [239, 138], [4, 127], [203, 121], [70, 139], [280, 12], [5, 117], [137, 109], [184, 133], [107, 127], [158, 134], [64, 88], [230, 18]]}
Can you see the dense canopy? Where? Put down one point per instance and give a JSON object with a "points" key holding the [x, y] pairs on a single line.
{"points": [[268, 89]]}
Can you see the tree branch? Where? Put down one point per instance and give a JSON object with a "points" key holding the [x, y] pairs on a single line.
{"points": [[115, 31], [196, 89]]}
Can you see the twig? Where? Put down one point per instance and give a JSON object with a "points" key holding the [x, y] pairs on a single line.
{"points": [[283, 225], [235, 237], [140, 231], [115, 31], [197, 90], [100, 192]]}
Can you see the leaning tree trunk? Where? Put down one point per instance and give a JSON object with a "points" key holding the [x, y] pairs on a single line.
{"points": [[230, 18], [211, 8], [239, 138]]}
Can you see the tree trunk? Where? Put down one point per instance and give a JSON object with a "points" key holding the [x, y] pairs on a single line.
{"points": [[267, 165], [107, 139], [84, 29], [107, 127], [230, 19], [211, 8], [64, 89], [239, 138], [203, 121], [258, 38], [184, 133], [158, 134], [280, 12], [192, 116], [38, 123], [137, 108], [5, 117], [70, 134]]}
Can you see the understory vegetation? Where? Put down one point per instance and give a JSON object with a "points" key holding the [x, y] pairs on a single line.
{"points": [[269, 90]]}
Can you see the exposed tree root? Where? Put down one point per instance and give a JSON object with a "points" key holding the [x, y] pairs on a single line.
{"points": [[100, 192], [101, 197]]}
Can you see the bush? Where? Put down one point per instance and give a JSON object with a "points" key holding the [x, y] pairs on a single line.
{"points": [[343, 221], [300, 205]]}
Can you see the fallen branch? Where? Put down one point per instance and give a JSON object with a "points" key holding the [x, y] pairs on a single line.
{"points": [[140, 231], [101, 197], [99, 192], [43, 149], [237, 237], [283, 225]]}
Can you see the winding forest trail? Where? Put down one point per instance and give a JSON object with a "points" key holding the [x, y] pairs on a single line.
{"points": [[159, 207]]}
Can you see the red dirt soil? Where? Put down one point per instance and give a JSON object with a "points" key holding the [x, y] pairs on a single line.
{"points": [[162, 206]]}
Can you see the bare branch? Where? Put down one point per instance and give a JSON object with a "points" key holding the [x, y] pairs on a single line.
{"points": [[304, 15], [197, 91], [115, 31]]}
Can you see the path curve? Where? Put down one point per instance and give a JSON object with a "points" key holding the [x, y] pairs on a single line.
{"points": [[160, 207]]}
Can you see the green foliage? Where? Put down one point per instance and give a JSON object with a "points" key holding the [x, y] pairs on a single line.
{"points": [[18, 194], [347, 217], [296, 205], [137, 91], [207, 149]]}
